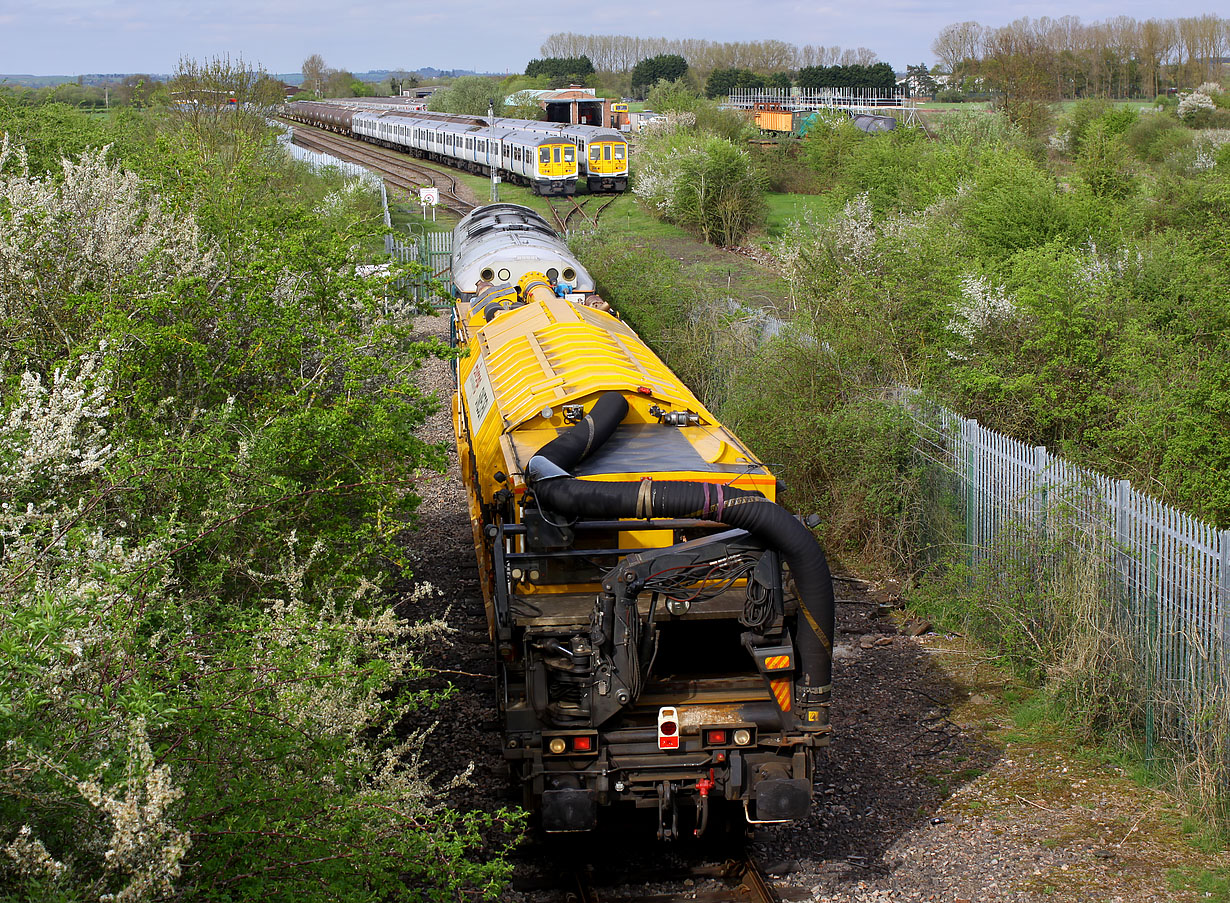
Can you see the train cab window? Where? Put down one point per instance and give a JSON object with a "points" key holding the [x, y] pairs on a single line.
{"points": [[557, 154], [619, 152], [606, 152], [595, 153], [569, 154]]}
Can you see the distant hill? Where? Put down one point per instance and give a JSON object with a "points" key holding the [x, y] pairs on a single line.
{"points": [[291, 78], [378, 75], [94, 78]]}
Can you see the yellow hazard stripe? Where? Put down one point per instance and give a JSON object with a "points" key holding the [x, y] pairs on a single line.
{"points": [[777, 662], [782, 692]]}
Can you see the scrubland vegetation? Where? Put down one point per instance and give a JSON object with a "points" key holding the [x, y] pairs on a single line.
{"points": [[207, 465], [1067, 288]]}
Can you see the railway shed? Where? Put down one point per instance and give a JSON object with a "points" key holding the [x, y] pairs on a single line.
{"points": [[577, 105]]}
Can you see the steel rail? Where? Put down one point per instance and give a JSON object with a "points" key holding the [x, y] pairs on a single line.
{"points": [[386, 161]]}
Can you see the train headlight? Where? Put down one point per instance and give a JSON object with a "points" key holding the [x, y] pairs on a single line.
{"points": [[569, 274], [504, 275], [743, 737], [557, 745], [678, 606]]}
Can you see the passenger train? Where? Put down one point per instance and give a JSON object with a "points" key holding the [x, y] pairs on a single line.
{"points": [[602, 153], [663, 630], [546, 163]]}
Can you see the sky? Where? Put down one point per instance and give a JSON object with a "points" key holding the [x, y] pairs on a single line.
{"points": [[69, 37]]}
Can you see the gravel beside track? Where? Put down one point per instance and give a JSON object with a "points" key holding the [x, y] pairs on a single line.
{"points": [[913, 801]]}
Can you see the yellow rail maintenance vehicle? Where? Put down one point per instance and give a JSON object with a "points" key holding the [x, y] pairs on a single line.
{"points": [[663, 629]]}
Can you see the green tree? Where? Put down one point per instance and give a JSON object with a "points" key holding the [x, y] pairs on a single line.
{"points": [[524, 105], [920, 80], [672, 97], [649, 71], [214, 698], [780, 81], [722, 81], [469, 94], [878, 76], [561, 71]]}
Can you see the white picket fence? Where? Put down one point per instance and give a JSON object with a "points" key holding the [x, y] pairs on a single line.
{"points": [[1172, 570]]}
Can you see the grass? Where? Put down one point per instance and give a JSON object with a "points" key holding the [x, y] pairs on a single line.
{"points": [[408, 217], [980, 105], [1208, 884], [785, 208]]}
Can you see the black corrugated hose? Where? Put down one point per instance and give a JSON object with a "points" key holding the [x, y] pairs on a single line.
{"points": [[549, 476]]}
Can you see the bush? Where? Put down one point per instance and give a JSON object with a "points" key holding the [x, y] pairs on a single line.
{"points": [[1194, 105], [784, 169], [707, 185], [844, 455], [1155, 137], [207, 452], [1072, 128], [1013, 205], [1103, 161]]}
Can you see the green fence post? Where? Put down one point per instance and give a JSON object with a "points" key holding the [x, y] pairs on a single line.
{"points": [[971, 493], [1151, 656]]}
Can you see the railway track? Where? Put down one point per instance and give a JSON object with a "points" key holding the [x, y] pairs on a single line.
{"points": [[399, 170], [570, 213], [738, 880]]}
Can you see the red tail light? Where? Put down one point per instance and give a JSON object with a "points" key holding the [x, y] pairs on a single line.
{"points": [[716, 738], [582, 744], [668, 728]]}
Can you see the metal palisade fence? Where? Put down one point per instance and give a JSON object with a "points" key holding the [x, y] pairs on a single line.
{"points": [[1166, 573], [318, 160], [434, 252]]}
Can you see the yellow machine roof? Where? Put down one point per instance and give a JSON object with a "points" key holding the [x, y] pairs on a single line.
{"points": [[552, 352]]}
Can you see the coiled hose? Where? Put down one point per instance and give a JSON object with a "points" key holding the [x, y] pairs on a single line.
{"points": [[549, 476]]}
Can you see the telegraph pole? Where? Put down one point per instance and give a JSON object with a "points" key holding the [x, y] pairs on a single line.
{"points": [[495, 180]]}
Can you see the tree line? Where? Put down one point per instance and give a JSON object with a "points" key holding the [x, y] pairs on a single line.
{"points": [[322, 80], [561, 71], [621, 53], [1051, 59]]}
